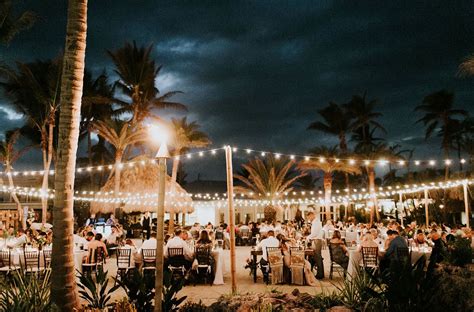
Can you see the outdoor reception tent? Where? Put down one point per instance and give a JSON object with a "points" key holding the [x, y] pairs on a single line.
{"points": [[138, 191]]}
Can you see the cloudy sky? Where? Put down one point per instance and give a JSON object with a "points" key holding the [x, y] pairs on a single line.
{"points": [[254, 73]]}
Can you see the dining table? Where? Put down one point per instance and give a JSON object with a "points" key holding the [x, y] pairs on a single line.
{"points": [[355, 257]]}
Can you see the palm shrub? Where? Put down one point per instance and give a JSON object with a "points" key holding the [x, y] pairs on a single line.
{"points": [[170, 290], [460, 252], [26, 293], [95, 292], [140, 290]]}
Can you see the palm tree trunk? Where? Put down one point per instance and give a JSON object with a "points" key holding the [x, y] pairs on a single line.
{"points": [[343, 147], [49, 158], [117, 176], [327, 194], [8, 169], [63, 281], [374, 211], [89, 156], [174, 175]]}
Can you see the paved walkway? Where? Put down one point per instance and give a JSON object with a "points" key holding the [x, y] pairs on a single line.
{"points": [[209, 294]]}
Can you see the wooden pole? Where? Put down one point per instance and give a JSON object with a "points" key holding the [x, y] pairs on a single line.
{"points": [[230, 199], [426, 208], [466, 203], [400, 200], [160, 233]]}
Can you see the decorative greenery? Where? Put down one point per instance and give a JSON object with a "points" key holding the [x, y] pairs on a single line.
{"points": [[26, 293], [95, 292], [170, 290], [140, 289], [460, 252]]}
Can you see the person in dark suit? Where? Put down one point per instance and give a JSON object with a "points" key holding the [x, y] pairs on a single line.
{"points": [[391, 254], [146, 225]]}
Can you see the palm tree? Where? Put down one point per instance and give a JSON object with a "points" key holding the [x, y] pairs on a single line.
{"points": [[328, 162], [137, 73], [336, 121], [63, 280], [438, 111], [34, 90], [11, 25], [307, 182], [365, 123], [120, 135], [186, 135], [270, 178], [8, 156]]}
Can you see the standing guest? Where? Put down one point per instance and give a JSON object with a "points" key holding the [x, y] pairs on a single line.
{"points": [[316, 237], [91, 220], [146, 225], [269, 241]]}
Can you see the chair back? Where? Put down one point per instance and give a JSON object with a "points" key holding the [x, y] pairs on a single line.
{"points": [[296, 249], [203, 255], [275, 260], [31, 260], [370, 257], [47, 257], [123, 258], [219, 235], [245, 233], [403, 254], [297, 262], [5, 258], [175, 252], [149, 255], [332, 246]]}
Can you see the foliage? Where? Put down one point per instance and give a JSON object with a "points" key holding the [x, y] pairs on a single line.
{"points": [[460, 252], [194, 307], [26, 293], [170, 290], [139, 288], [95, 292], [10, 24]]}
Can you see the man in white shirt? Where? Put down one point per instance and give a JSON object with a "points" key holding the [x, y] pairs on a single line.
{"points": [[178, 241], [270, 241], [149, 243], [316, 237]]}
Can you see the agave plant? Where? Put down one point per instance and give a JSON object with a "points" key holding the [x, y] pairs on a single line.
{"points": [[26, 293], [95, 292]]}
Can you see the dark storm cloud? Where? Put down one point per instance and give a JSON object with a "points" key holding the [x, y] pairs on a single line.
{"points": [[255, 73]]}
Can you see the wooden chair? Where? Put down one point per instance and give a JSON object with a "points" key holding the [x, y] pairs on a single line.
{"points": [[204, 267], [47, 254], [370, 257], [31, 261], [334, 266], [148, 259], [176, 262], [6, 263], [297, 262], [124, 256], [94, 261], [275, 262]]}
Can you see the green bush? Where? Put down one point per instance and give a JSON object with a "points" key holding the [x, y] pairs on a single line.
{"points": [[95, 292], [460, 252]]}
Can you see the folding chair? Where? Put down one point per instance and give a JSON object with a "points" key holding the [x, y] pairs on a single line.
{"points": [[204, 267], [334, 266], [275, 262], [370, 257], [123, 262], [148, 259], [176, 262], [47, 258], [31, 261], [297, 262], [6, 262]]}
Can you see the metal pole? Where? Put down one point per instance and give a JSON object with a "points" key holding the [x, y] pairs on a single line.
{"points": [[466, 203], [230, 199], [401, 206], [160, 233], [426, 208]]}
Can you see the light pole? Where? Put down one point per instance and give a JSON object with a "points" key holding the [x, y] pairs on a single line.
{"points": [[161, 136]]}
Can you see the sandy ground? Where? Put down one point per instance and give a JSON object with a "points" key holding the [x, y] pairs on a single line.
{"points": [[209, 294]]}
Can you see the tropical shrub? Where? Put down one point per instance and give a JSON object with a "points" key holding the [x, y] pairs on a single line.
{"points": [[95, 293], [139, 288]]}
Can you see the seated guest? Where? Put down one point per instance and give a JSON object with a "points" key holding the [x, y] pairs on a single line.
{"points": [[111, 220], [269, 241], [339, 250], [420, 239], [113, 236], [375, 235], [367, 241], [203, 240], [150, 243], [391, 254], [178, 241], [438, 251], [89, 236], [309, 276], [134, 254], [20, 240], [79, 240], [97, 243]]}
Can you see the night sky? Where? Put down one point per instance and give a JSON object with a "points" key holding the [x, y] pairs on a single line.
{"points": [[254, 73]]}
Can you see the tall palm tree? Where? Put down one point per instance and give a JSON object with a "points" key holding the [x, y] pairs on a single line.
{"points": [[120, 135], [438, 111], [137, 73], [186, 135], [34, 90], [8, 156], [63, 280], [328, 162], [336, 121], [365, 123], [269, 179], [307, 182], [10, 24]]}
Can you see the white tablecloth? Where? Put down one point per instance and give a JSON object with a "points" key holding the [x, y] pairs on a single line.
{"points": [[18, 258], [355, 258], [218, 255]]}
